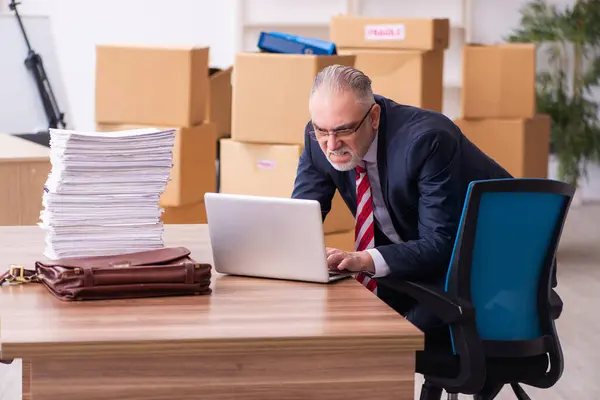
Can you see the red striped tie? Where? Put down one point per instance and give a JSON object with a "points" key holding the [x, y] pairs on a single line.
{"points": [[364, 229]]}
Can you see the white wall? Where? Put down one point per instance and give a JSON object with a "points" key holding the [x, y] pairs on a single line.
{"points": [[233, 25], [78, 25]]}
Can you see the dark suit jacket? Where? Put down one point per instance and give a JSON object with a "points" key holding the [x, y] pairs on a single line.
{"points": [[425, 166]]}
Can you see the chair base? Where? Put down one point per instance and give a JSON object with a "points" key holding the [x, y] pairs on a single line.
{"points": [[430, 392], [490, 392], [519, 392]]}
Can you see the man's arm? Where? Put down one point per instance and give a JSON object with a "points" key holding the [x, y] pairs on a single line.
{"points": [[434, 158], [312, 183]]}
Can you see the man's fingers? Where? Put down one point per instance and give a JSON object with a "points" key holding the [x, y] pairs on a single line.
{"points": [[344, 264], [335, 258], [330, 250]]}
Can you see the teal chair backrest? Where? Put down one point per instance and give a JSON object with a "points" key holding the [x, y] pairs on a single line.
{"points": [[506, 242]]}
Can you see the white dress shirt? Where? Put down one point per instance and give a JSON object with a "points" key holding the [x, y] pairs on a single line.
{"points": [[380, 212]]}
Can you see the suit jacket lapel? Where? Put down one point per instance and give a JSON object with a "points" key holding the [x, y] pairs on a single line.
{"points": [[382, 148], [349, 178], [382, 157]]}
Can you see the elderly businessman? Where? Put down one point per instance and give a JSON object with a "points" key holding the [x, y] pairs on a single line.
{"points": [[403, 171]]}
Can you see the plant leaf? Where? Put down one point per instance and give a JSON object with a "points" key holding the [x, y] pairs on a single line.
{"points": [[538, 23], [592, 75]]}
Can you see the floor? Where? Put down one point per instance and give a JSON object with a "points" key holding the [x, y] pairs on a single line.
{"points": [[578, 327]]}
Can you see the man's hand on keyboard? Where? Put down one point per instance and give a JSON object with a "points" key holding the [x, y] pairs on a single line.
{"points": [[350, 261]]}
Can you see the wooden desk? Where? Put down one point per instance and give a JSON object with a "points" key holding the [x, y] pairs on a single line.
{"points": [[251, 339], [24, 168]]}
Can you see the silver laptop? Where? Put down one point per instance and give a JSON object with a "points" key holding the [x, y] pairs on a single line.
{"points": [[268, 237]]}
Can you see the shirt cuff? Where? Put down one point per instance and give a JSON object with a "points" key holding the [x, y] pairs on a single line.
{"points": [[381, 267]]}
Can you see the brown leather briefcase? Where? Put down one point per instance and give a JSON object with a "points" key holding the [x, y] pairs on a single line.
{"points": [[162, 272]]}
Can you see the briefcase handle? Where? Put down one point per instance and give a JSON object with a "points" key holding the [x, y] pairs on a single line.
{"points": [[18, 275]]}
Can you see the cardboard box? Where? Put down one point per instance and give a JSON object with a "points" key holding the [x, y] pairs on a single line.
{"points": [[271, 93], [499, 81], [194, 169], [24, 169], [521, 146], [390, 33], [342, 241], [409, 77], [188, 214], [165, 86], [270, 170], [218, 106]]}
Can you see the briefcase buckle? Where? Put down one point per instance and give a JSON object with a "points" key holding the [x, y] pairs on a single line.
{"points": [[16, 275]]}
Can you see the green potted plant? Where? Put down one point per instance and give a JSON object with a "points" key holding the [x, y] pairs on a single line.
{"points": [[570, 37]]}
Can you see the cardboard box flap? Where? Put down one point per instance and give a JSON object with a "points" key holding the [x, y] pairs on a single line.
{"points": [[396, 33], [144, 46], [385, 62], [218, 106], [527, 46], [214, 72]]}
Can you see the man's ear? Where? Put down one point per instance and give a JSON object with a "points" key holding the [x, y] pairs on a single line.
{"points": [[375, 115]]}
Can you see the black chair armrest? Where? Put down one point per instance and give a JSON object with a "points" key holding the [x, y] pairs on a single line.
{"points": [[556, 304], [436, 301]]}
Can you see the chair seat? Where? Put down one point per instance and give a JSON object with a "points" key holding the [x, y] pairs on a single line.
{"points": [[440, 362], [437, 359], [513, 370]]}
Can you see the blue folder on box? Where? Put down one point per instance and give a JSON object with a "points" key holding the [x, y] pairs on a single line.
{"points": [[278, 42]]}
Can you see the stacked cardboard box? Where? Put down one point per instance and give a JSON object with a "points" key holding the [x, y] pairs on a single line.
{"points": [[269, 114], [499, 107], [403, 57], [140, 86]]}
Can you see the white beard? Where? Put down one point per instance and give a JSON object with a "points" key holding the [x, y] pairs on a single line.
{"points": [[354, 161]]}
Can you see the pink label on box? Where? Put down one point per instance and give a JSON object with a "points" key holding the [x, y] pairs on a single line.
{"points": [[265, 164], [385, 32]]}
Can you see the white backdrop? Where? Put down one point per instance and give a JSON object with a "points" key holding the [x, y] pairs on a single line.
{"points": [[78, 25]]}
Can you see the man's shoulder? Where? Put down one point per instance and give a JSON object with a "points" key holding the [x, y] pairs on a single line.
{"points": [[407, 122]]}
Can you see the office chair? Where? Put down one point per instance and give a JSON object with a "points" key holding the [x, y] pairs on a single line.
{"points": [[498, 300]]}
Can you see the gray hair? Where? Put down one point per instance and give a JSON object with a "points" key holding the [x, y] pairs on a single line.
{"points": [[339, 78]]}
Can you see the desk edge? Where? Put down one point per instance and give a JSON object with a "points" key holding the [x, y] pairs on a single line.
{"points": [[202, 347]]}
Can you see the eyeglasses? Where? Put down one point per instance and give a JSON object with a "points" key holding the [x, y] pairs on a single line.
{"points": [[320, 134]]}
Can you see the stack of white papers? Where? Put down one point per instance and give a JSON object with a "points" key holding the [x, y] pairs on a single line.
{"points": [[102, 195]]}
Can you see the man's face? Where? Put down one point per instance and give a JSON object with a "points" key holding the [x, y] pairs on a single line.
{"points": [[335, 119]]}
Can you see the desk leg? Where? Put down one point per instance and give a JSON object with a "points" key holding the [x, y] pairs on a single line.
{"points": [[27, 395], [266, 375]]}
